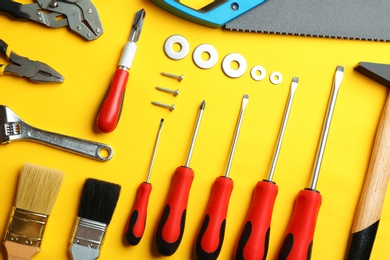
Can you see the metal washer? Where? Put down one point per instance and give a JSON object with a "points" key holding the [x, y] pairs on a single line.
{"points": [[227, 69], [254, 74], [197, 56], [184, 47], [276, 77]]}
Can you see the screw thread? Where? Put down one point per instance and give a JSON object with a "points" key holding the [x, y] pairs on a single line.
{"points": [[179, 77], [174, 92], [170, 107]]}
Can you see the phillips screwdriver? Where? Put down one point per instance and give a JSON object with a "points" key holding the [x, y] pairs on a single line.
{"points": [[136, 225], [253, 241], [171, 225], [111, 107], [211, 234], [298, 239]]}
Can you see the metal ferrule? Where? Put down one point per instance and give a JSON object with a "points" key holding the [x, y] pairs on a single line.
{"points": [[26, 227], [88, 233]]}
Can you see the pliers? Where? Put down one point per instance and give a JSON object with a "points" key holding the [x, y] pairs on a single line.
{"points": [[80, 15], [35, 71]]}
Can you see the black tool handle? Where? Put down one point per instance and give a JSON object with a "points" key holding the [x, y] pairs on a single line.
{"points": [[13, 9]]}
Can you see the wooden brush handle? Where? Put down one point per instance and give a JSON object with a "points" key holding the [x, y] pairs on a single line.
{"points": [[373, 194], [17, 251]]}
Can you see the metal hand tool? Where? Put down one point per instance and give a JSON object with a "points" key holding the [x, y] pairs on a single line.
{"points": [[372, 197], [170, 228], [298, 238], [254, 238], [351, 19], [13, 128], [111, 108], [136, 225], [80, 15], [209, 241], [23, 67]]}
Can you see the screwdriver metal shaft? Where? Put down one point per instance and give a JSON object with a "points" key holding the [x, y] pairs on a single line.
{"points": [[171, 225], [254, 238], [211, 235], [298, 239], [137, 221]]}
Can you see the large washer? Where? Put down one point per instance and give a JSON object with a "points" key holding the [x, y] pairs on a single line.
{"points": [[227, 69], [199, 61], [184, 47]]}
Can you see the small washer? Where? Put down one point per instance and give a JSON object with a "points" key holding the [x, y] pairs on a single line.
{"points": [[276, 77], [184, 47], [256, 76], [227, 69], [199, 61]]}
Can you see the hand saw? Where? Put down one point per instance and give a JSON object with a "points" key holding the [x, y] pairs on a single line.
{"points": [[345, 19]]}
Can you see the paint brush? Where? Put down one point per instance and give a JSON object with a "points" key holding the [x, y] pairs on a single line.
{"points": [[97, 205], [36, 194]]}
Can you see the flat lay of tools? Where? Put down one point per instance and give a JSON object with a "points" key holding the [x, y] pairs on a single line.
{"points": [[187, 130]]}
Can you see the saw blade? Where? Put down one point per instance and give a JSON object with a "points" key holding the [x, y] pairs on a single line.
{"points": [[345, 19]]}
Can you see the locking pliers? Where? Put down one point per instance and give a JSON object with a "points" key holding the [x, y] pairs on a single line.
{"points": [[80, 15]]}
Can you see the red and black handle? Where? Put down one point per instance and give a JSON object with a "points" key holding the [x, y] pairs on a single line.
{"points": [[171, 225], [298, 239], [137, 221], [111, 107], [211, 234], [254, 239]]}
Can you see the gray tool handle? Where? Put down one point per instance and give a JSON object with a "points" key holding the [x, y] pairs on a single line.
{"points": [[94, 150]]}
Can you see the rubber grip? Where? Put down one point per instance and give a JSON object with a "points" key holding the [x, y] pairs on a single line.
{"points": [[254, 239], [111, 108], [3, 48], [298, 239], [137, 221], [13, 9], [360, 243], [210, 238], [171, 225]]}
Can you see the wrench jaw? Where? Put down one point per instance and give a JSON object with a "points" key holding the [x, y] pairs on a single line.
{"points": [[11, 126]]}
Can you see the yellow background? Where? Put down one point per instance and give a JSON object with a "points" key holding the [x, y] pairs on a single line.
{"points": [[70, 108]]}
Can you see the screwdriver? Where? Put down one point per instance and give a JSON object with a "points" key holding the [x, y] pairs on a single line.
{"points": [[298, 239], [136, 225], [111, 107], [253, 241], [211, 234], [171, 225]]}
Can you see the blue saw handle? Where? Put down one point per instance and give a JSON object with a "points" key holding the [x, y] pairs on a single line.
{"points": [[215, 14]]}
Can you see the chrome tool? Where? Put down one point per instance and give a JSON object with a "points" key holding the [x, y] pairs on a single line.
{"points": [[81, 16], [13, 128]]}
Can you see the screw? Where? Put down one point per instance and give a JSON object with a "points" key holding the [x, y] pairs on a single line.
{"points": [[180, 78], [174, 92], [164, 105]]}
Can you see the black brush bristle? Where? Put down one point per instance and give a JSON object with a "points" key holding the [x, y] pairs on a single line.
{"points": [[98, 200]]}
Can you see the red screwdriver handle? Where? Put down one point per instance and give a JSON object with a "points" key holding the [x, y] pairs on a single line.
{"points": [[171, 225], [298, 239], [111, 108], [210, 238], [136, 225], [254, 238]]}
